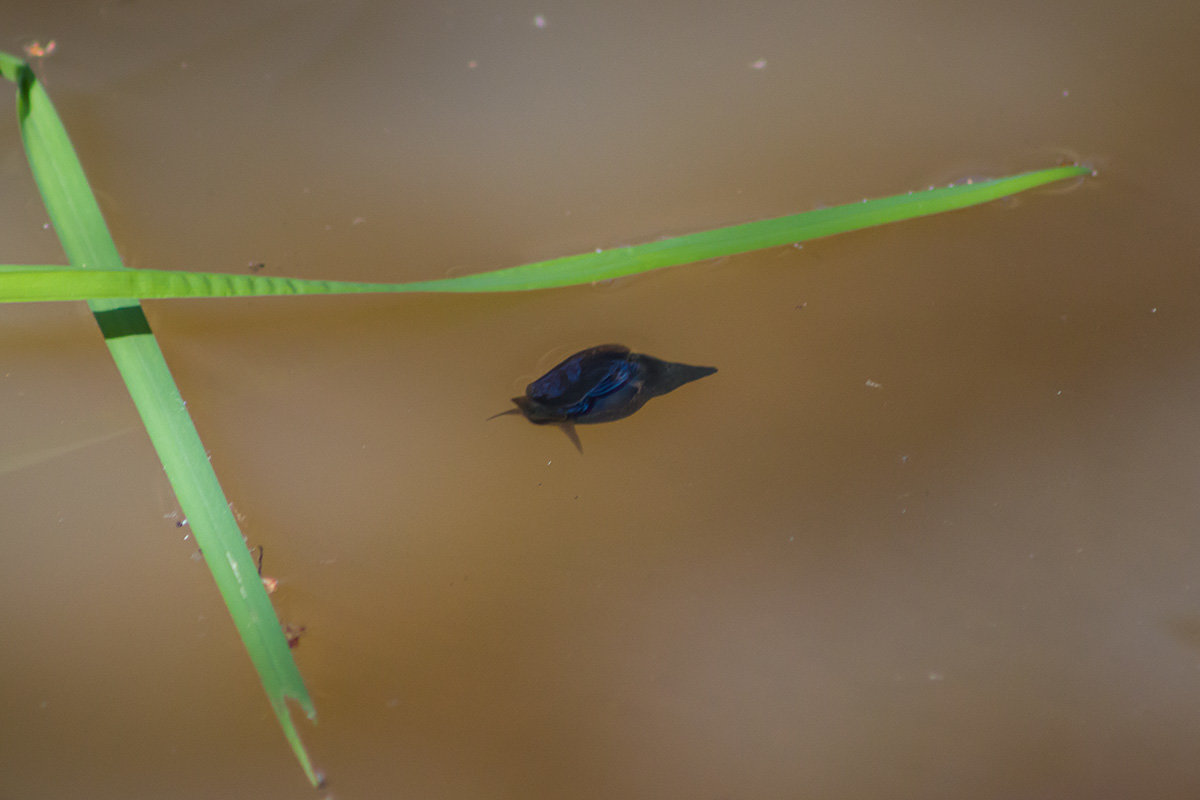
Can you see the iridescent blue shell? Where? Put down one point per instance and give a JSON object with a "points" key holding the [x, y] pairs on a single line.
{"points": [[602, 384]]}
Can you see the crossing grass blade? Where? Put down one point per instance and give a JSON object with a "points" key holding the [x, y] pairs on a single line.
{"points": [[39, 283], [88, 245]]}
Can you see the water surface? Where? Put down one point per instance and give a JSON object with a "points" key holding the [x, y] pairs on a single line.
{"points": [[929, 532]]}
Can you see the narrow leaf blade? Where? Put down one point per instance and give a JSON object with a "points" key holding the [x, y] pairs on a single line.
{"points": [[88, 245], [43, 283]]}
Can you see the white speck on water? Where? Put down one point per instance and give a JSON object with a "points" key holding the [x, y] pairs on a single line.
{"points": [[936, 676], [1066, 92], [873, 384], [539, 22], [599, 249], [759, 64], [904, 459], [1058, 393], [1154, 310]]}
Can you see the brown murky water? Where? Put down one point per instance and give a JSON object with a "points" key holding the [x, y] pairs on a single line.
{"points": [[930, 532]]}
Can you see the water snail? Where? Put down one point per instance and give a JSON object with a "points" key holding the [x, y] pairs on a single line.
{"points": [[600, 384]]}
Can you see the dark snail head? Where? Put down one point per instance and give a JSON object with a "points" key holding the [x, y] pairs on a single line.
{"points": [[601, 384]]}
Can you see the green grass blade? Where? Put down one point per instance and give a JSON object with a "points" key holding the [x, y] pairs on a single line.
{"points": [[34, 283], [88, 244]]}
